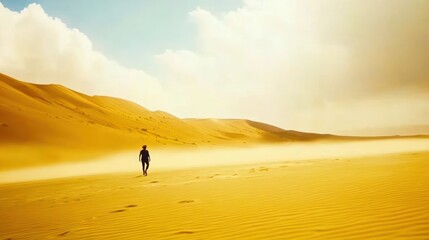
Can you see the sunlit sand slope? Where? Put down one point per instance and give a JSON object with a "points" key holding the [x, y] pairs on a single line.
{"points": [[40, 124], [384, 197]]}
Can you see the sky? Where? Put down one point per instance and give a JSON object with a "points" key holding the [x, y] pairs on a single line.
{"points": [[326, 66], [130, 32]]}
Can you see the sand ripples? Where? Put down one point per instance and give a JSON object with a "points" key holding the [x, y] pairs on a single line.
{"points": [[373, 198]]}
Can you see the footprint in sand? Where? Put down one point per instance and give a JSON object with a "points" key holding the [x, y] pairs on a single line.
{"points": [[131, 206], [185, 232], [116, 211], [186, 201], [153, 182], [215, 175], [63, 234]]}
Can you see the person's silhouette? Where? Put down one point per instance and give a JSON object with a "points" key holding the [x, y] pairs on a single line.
{"points": [[144, 157]]}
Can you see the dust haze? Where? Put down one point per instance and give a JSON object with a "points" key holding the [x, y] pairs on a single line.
{"points": [[169, 159]]}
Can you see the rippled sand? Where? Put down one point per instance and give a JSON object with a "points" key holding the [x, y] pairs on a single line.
{"points": [[379, 197]]}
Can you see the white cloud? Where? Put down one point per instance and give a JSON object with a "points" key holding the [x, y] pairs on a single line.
{"points": [[37, 48], [323, 66]]}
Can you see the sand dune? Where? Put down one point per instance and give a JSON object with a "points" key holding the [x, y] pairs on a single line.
{"points": [[54, 123], [210, 178], [379, 197], [45, 124], [422, 129]]}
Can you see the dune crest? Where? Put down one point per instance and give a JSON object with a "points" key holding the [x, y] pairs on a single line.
{"points": [[55, 123], [52, 123]]}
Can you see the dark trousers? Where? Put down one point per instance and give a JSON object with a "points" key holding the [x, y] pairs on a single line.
{"points": [[145, 162]]}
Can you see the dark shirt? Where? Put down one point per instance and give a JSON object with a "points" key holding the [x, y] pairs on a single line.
{"points": [[144, 155]]}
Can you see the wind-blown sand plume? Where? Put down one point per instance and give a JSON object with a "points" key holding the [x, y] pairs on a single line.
{"points": [[55, 124], [380, 197], [316, 186], [330, 190]]}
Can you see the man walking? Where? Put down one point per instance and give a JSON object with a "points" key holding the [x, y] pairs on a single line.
{"points": [[145, 159]]}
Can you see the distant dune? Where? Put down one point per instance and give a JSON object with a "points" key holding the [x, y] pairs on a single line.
{"points": [[54, 123], [409, 130], [42, 124]]}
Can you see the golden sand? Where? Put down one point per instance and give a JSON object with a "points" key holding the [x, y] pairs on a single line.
{"points": [[379, 197], [52, 124], [204, 182]]}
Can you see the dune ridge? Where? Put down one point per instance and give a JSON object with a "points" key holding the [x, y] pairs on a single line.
{"points": [[44, 124], [54, 123]]}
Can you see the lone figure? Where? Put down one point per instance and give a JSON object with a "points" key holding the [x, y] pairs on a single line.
{"points": [[145, 159]]}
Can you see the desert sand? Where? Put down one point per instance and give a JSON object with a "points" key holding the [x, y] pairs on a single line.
{"points": [[69, 170], [56, 124], [384, 196]]}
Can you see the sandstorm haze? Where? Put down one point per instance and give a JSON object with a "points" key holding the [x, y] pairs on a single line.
{"points": [[343, 67]]}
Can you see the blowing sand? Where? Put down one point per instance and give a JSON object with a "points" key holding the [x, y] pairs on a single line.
{"points": [[54, 124], [174, 159], [375, 197]]}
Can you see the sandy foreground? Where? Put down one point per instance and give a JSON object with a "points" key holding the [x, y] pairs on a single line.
{"points": [[383, 196]]}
